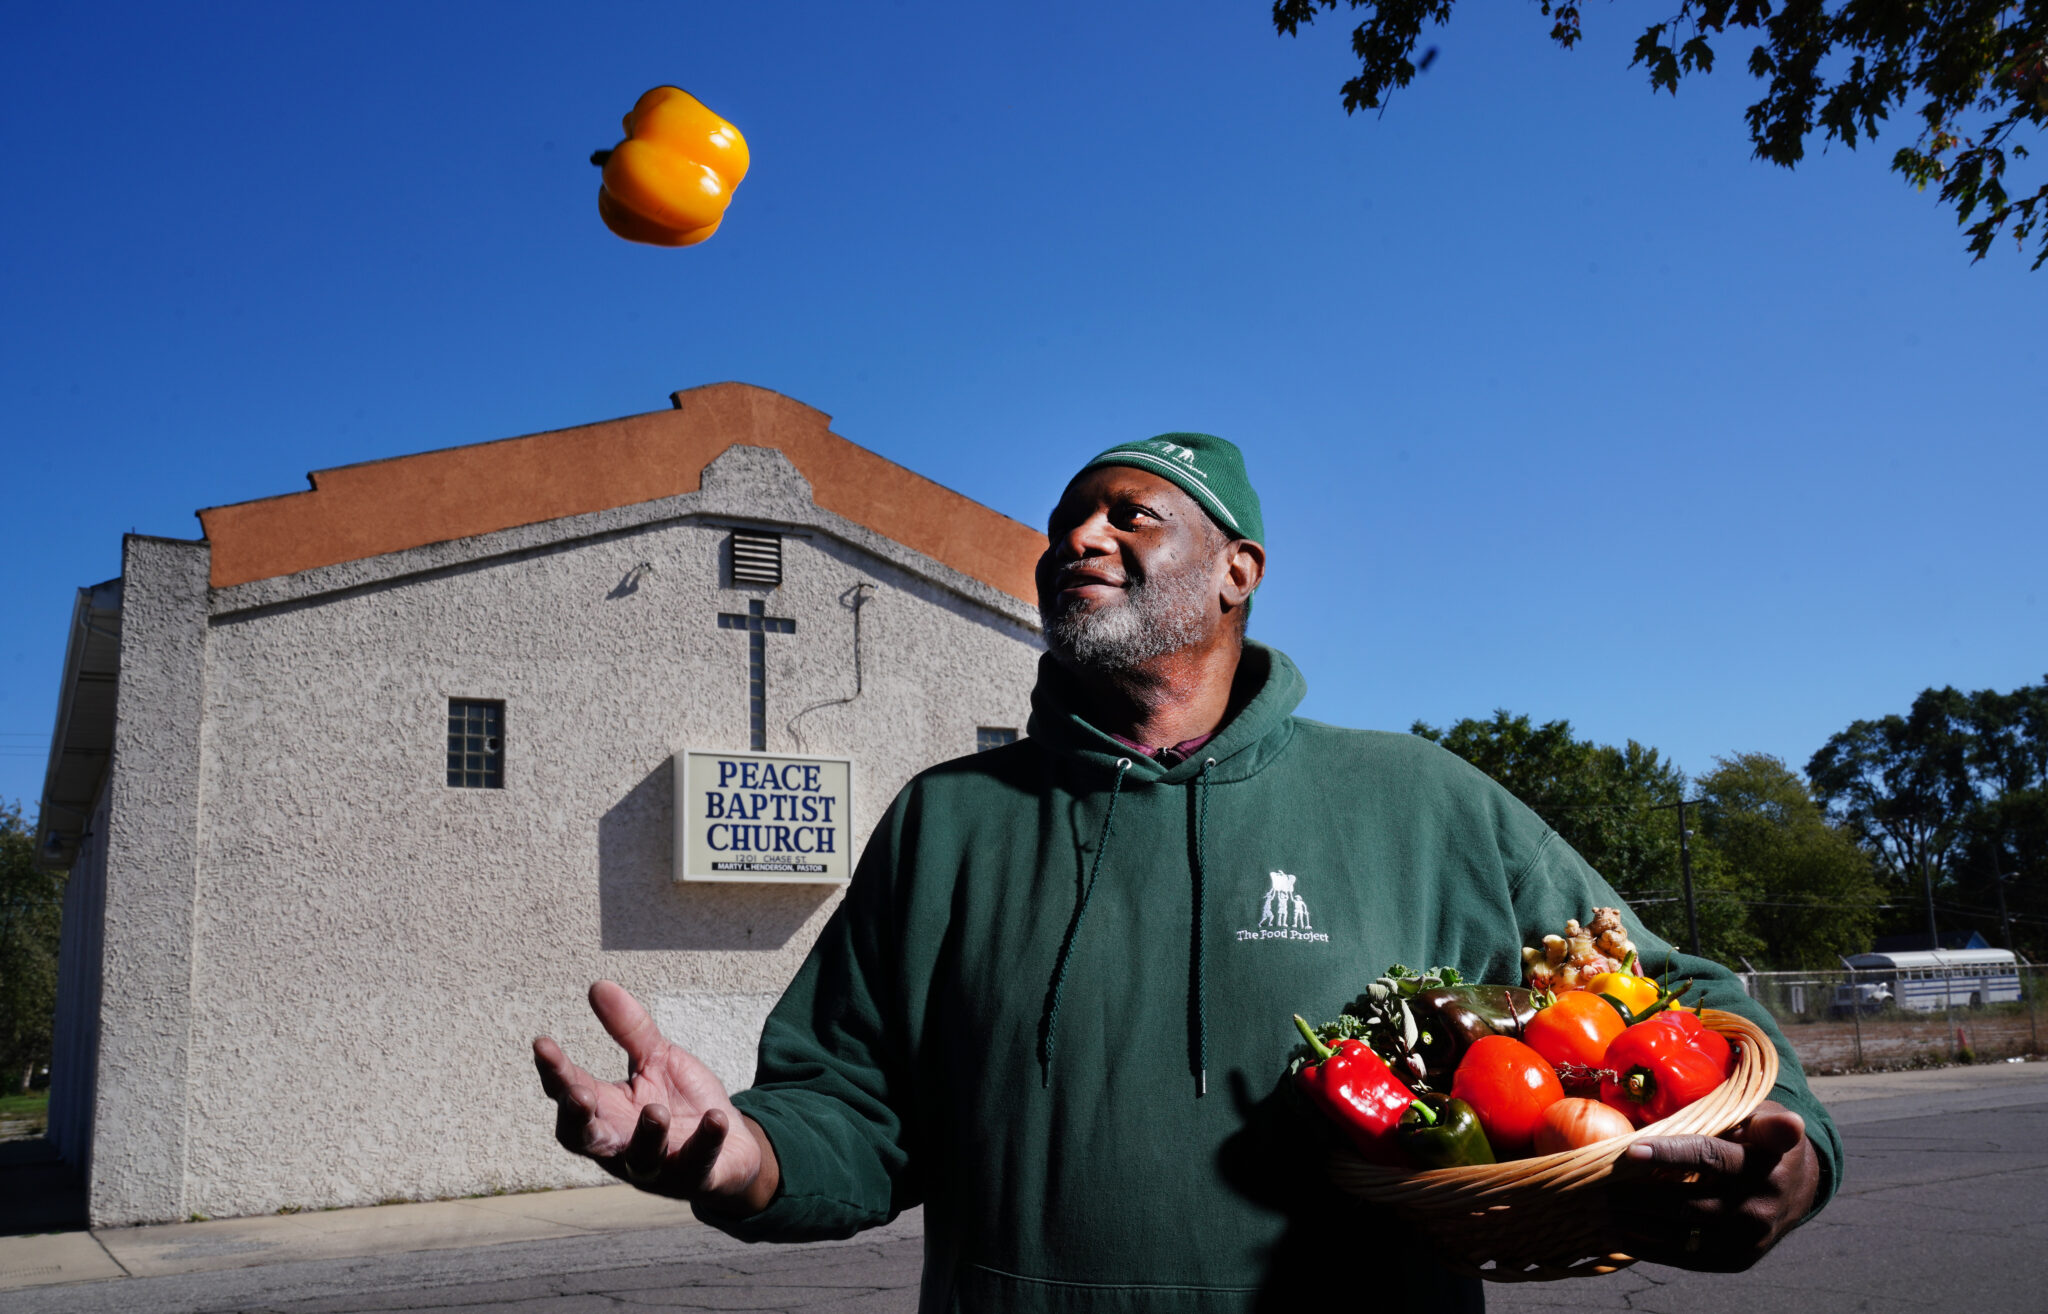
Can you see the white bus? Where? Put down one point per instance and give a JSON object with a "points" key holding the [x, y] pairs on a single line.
{"points": [[1930, 980]]}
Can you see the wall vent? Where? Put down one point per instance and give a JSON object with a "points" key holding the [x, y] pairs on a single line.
{"points": [[756, 558]]}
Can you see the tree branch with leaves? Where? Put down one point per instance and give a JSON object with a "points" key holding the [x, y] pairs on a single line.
{"points": [[31, 905], [1973, 72]]}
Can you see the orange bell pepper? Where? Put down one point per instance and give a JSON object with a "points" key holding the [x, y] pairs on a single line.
{"points": [[669, 181]]}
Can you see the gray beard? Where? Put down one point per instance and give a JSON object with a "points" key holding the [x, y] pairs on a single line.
{"points": [[1154, 619]]}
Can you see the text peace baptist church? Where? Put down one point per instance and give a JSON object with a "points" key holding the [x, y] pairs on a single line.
{"points": [[361, 790]]}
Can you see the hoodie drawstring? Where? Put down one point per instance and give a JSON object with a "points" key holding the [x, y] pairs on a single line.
{"points": [[1200, 954], [1059, 975]]}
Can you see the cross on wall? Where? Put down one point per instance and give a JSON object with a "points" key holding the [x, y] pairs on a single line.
{"points": [[758, 624]]}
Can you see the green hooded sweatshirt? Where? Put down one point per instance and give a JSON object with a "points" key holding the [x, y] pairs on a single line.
{"points": [[1010, 1017]]}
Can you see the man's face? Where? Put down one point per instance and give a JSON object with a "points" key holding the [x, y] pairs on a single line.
{"points": [[1133, 571]]}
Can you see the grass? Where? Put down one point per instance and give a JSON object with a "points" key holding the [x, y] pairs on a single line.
{"points": [[25, 1115], [34, 1105]]}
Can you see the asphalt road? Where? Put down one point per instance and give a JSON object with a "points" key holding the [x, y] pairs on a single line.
{"points": [[1946, 1206]]}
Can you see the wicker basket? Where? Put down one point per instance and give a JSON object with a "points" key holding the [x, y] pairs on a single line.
{"points": [[1539, 1219]]}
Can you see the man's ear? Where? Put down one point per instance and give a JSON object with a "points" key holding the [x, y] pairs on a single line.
{"points": [[1244, 567]]}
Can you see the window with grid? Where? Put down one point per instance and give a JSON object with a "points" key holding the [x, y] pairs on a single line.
{"points": [[992, 736], [476, 743]]}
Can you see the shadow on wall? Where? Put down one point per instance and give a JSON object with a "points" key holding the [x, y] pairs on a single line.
{"points": [[642, 907]]}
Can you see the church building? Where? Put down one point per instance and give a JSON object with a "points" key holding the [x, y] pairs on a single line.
{"points": [[362, 789]]}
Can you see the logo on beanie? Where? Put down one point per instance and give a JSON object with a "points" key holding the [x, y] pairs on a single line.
{"points": [[1283, 913], [1185, 455]]}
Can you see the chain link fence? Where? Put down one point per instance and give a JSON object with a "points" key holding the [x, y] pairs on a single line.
{"points": [[1845, 1019]]}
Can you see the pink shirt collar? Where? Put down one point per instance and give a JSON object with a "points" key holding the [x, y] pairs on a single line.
{"points": [[1172, 756]]}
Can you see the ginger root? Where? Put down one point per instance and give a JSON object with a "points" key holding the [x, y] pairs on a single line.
{"points": [[1568, 961]]}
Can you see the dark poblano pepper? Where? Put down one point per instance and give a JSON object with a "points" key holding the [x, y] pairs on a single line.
{"points": [[1450, 1018], [1440, 1132], [1422, 1023]]}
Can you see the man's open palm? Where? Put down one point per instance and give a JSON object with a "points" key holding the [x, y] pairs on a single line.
{"points": [[669, 1127]]}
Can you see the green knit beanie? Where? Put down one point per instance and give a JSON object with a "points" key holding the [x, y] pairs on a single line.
{"points": [[1207, 468]]}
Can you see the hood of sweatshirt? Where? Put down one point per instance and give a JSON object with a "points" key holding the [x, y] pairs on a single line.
{"points": [[1268, 689]]}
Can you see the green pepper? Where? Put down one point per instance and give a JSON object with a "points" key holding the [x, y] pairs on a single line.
{"points": [[1440, 1132]]}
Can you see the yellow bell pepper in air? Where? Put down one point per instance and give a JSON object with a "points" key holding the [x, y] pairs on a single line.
{"points": [[669, 181]]}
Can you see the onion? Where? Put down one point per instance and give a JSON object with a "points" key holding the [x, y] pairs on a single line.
{"points": [[1572, 1123]]}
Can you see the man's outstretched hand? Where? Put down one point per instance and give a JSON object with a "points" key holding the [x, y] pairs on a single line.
{"points": [[1717, 1203], [669, 1127]]}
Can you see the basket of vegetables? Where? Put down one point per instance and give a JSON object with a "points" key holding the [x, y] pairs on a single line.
{"points": [[1492, 1116]]}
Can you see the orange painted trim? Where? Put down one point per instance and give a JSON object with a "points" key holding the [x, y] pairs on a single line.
{"points": [[367, 510]]}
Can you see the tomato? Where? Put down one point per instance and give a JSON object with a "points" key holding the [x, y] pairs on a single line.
{"points": [[1569, 1124], [1577, 1028], [1509, 1086]]}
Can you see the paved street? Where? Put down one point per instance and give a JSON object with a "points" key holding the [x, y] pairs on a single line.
{"points": [[1947, 1206]]}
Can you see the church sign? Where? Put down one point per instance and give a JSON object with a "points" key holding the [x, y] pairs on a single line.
{"points": [[763, 817]]}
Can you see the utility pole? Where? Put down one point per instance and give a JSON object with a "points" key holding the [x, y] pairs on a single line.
{"points": [[1692, 911], [1927, 879], [2020, 969], [1998, 879]]}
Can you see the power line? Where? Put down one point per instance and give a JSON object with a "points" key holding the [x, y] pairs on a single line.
{"points": [[1759, 903], [1635, 901]]}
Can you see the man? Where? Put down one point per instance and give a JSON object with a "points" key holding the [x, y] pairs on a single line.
{"points": [[1055, 1002]]}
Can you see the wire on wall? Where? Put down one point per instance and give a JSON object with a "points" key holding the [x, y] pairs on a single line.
{"points": [[854, 598]]}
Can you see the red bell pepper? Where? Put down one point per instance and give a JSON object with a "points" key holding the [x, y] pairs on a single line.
{"points": [[1705, 1038], [1357, 1090], [1658, 1066]]}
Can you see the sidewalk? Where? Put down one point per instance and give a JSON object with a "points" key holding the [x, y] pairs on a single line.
{"points": [[173, 1248], [181, 1248], [1868, 1097]]}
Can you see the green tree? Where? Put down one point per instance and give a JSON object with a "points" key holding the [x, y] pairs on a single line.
{"points": [[2002, 852], [1974, 71], [2006, 840], [1902, 785], [1951, 799], [1613, 806], [31, 903], [1809, 888]]}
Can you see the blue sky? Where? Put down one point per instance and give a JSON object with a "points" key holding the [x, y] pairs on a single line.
{"points": [[1558, 401]]}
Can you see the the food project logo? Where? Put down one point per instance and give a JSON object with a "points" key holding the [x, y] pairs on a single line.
{"points": [[1283, 913]]}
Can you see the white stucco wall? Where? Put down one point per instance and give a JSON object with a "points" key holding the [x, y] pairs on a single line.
{"points": [[372, 950], [143, 1073]]}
